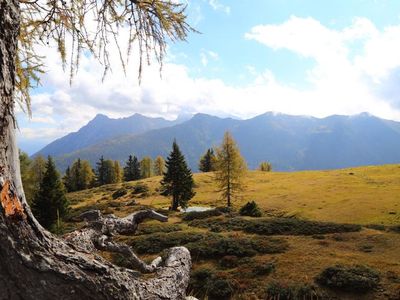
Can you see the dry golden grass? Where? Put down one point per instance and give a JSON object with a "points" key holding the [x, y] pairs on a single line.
{"points": [[365, 195]]}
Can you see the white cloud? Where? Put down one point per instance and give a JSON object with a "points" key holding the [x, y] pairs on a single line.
{"points": [[344, 80], [206, 55], [216, 5]]}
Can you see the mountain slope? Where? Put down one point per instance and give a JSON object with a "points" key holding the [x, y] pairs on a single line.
{"points": [[288, 142], [100, 129]]}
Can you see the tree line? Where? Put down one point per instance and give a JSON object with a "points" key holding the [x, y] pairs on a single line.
{"points": [[81, 176], [45, 189]]}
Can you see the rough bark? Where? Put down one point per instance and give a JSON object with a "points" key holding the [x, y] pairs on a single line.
{"points": [[37, 265]]}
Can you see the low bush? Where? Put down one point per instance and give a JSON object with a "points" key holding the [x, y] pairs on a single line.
{"points": [[119, 193], [204, 283], [250, 209], [280, 291], [194, 215], [274, 226], [264, 269], [229, 262], [219, 289], [376, 227], [154, 228], [292, 226], [208, 246], [140, 188], [395, 228], [358, 278]]}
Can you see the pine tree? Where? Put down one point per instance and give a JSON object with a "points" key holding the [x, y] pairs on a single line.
{"points": [[50, 202], [159, 166], [178, 181], [132, 169], [207, 161], [230, 168], [146, 167]]}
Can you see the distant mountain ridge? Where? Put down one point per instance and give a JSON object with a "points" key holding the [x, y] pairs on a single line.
{"points": [[100, 129], [288, 142]]}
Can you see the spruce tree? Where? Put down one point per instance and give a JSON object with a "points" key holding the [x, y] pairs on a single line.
{"points": [[132, 169], [207, 161], [101, 171], [68, 180], [137, 172], [230, 168], [50, 202], [177, 181]]}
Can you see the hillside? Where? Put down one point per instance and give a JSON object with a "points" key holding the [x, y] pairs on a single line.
{"points": [[288, 142], [363, 195], [102, 128], [284, 251]]}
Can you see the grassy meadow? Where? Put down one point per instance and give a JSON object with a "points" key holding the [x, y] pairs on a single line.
{"points": [[311, 221]]}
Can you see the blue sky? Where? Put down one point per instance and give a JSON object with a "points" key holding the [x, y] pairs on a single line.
{"points": [[291, 56]]}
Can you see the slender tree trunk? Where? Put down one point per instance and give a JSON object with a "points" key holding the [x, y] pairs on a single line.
{"points": [[35, 264]]}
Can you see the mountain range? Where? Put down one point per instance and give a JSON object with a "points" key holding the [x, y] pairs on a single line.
{"points": [[288, 142]]}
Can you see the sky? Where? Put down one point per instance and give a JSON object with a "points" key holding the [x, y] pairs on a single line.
{"points": [[299, 57]]}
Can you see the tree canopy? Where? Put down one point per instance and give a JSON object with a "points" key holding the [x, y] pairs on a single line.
{"points": [[230, 168], [178, 180], [92, 26]]}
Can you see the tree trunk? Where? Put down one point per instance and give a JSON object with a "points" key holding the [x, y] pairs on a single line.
{"points": [[37, 265]]}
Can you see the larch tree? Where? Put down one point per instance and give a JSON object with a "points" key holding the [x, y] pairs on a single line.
{"points": [[146, 167], [118, 171], [178, 180], [159, 166], [230, 168], [40, 265], [265, 166]]}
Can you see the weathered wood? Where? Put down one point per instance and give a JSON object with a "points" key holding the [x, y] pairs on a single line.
{"points": [[34, 264], [98, 232]]}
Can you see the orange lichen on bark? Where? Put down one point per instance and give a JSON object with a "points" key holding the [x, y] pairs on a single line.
{"points": [[10, 203]]}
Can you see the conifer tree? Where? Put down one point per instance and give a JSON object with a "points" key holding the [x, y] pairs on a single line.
{"points": [[118, 171], [207, 161], [132, 169], [77, 175], [50, 202], [26, 176], [265, 166], [146, 167], [87, 174], [37, 170], [68, 180], [101, 171], [159, 166], [177, 181], [230, 168], [109, 172]]}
